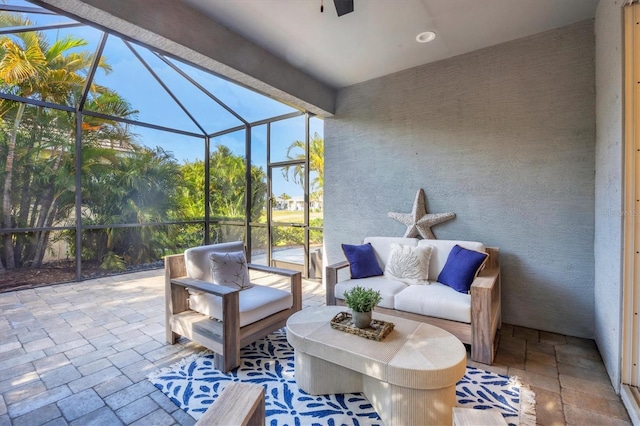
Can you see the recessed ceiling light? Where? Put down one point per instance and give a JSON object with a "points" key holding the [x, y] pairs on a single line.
{"points": [[425, 37]]}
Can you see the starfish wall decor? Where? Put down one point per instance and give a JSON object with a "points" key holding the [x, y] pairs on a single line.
{"points": [[419, 222]]}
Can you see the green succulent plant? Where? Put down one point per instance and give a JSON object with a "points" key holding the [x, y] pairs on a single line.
{"points": [[362, 299]]}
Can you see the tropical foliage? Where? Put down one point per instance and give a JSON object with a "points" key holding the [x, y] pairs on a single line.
{"points": [[122, 181], [227, 182], [38, 184], [297, 151], [130, 193]]}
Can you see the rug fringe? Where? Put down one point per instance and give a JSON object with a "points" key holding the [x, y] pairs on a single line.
{"points": [[153, 376], [527, 414]]}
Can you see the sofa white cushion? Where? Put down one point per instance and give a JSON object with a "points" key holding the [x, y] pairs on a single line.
{"points": [[382, 246], [440, 253], [435, 300], [387, 288], [256, 303]]}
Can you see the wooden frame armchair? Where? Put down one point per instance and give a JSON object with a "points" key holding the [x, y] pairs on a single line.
{"points": [[224, 337]]}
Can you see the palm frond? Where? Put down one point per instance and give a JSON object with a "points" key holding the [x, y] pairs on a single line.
{"points": [[59, 47]]}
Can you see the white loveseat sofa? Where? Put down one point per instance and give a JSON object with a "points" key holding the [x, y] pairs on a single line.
{"points": [[473, 318]]}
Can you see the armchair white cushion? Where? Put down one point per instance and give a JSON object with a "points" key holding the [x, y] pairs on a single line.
{"points": [[256, 303]]}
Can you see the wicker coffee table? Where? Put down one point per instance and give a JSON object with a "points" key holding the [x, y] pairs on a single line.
{"points": [[409, 377]]}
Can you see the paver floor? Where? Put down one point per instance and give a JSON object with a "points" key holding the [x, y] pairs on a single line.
{"points": [[80, 353]]}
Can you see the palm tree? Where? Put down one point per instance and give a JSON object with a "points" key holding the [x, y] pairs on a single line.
{"points": [[227, 187], [136, 187], [296, 151], [31, 67]]}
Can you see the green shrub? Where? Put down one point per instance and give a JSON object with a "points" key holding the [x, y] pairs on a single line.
{"points": [[362, 299], [113, 262]]}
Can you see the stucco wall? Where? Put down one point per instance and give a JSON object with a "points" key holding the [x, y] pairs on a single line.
{"points": [[505, 138], [609, 188]]}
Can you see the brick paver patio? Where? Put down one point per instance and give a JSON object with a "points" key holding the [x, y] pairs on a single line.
{"points": [[80, 353]]}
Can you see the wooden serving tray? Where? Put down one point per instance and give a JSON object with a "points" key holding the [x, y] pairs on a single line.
{"points": [[376, 331]]}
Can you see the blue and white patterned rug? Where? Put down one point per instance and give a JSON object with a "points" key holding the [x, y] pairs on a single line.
{"points": [[193, 385]]}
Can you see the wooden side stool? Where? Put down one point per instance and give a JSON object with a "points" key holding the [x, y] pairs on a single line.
{"points": [[472, 417], [239, 404]]}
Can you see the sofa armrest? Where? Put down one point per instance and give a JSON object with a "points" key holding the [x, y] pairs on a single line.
{"points": [[295, 281], [486, 309], [331, 279], [487, 279]]}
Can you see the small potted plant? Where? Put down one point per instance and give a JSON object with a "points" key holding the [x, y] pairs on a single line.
{"points": [[362, 300]]}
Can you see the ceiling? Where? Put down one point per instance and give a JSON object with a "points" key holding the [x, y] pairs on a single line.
{"points": [[378, 38]]}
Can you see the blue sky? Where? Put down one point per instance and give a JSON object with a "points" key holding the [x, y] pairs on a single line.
{"points": [[130, 79]]}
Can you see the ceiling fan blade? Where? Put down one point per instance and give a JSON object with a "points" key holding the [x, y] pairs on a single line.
{"points": [[343, 6]]}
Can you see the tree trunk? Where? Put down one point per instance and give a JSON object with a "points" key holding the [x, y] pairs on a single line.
{"points": [[6, 194], [47, 215], [26, 204], [43, 238]]}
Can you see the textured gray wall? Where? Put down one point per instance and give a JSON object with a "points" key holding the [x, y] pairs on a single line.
{"points": [[609, 185], [505, 138]]}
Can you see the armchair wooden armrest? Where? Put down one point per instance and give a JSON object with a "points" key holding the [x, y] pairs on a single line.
{"points": [[211, 288], [273, 270], [331, 279], [486, 309]]}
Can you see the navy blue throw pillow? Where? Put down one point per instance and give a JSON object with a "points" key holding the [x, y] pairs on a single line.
{"points": [[362, 260], [461, 268]]}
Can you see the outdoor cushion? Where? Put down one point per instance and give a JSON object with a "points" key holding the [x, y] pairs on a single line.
{"points": [[362, 260], [230, 269], [256, 303], [461, 268], [388, 288], [408, 264], [382, 246], [198, 263], [435, 300], [440, 253]]}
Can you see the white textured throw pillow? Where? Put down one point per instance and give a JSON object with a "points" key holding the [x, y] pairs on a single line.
{"points": [[408, 264], [230, 269]]}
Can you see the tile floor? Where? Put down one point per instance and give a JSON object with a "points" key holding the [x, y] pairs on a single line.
{"points": [[79, 354]]}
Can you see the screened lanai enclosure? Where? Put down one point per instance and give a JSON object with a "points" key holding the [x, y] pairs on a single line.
{"points": [[114, 155]]}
